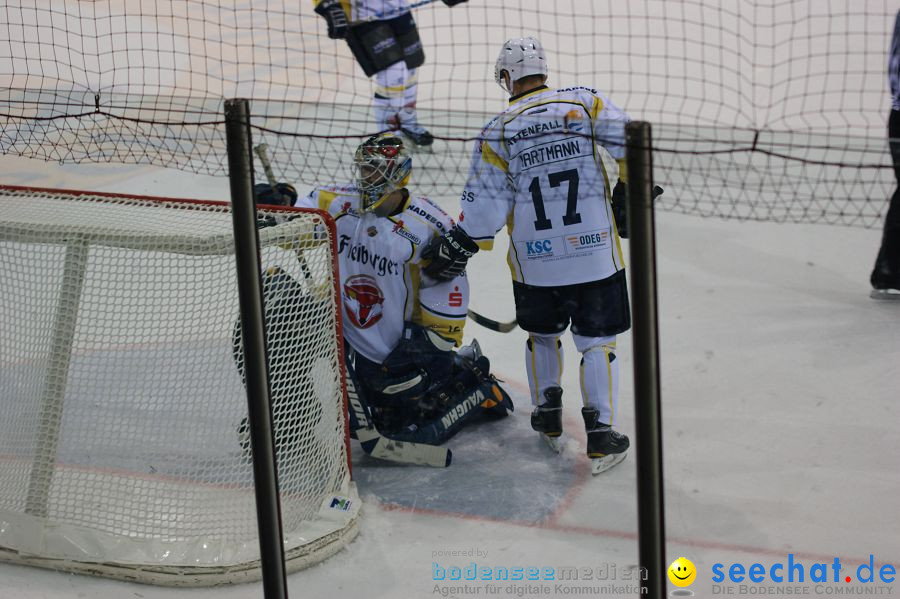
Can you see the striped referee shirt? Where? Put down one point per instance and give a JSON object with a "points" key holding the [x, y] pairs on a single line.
{"points": [[894, 66]]}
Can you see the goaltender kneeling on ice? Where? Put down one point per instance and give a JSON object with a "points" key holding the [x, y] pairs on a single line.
{"points": [[408, 389]]}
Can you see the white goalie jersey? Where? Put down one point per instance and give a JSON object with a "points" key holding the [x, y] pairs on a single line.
{"points": [[382, 285], [537, 169]]}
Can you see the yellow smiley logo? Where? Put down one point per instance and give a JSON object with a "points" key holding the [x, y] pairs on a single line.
{"points": [[682, 572]]}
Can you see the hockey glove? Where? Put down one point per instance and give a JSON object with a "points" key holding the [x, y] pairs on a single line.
{"points": [[620, 208], [620, 205], [454, 2], [282, 194], [448, 254], [335, 16]]}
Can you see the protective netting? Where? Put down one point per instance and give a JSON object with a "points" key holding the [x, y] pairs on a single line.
{"points": [[763, 109], [124, 446]]}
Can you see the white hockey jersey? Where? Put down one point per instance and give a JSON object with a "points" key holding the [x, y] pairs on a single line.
{"points": [[362, 10], [537, 169], [380, 279]]}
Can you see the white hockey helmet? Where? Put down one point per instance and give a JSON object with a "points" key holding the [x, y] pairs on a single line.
{"points": [[520, 57]]}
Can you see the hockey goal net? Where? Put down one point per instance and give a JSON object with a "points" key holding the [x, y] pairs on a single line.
{"points": [[124, 447]]}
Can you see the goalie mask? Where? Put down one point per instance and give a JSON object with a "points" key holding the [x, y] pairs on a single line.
{"points": [[381, 166], [520, 57]]}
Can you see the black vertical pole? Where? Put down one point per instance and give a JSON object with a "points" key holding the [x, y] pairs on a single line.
{"points": [[246, 250], [645, 343]]}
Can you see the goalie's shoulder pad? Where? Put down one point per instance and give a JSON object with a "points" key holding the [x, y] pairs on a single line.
{"points": [[334, 199], [429, 214]]}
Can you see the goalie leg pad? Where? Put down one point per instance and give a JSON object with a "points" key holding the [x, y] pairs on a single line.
{"points": [[460, 410]]}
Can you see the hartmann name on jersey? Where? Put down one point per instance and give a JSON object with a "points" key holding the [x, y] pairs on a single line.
{"points": [[549, 152], [360, 253]]}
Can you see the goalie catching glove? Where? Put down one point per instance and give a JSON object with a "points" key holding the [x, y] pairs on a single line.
{"points": [[334, 14], [448, 254]]}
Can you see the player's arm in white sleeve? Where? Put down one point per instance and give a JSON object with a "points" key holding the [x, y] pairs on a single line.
{"points": [[486, 200], [608, 122]]}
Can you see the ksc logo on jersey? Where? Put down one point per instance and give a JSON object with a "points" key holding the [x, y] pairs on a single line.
{"points": [[598, 239], [363, 301], [539, 248]]}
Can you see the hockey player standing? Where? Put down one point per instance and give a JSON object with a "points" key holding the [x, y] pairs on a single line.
{"points": [[400, 324], [383, 38], [536, 168], [885, 277]]}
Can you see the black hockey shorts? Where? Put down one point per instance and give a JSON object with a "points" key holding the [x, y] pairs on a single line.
{"points": [[595, 309], [376, 45]]}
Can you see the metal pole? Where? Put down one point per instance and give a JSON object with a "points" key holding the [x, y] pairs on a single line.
{"points": [[246, 250], [645, 343]]}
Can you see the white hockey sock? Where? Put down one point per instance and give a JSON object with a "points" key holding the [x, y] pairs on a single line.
{"points": [[599, 375], [389, 86], [390, 94], [544, 364]]}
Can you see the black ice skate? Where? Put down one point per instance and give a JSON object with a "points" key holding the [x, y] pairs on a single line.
{"points": [[885, 283], [547, 418], [418, 136], [605, 447]]}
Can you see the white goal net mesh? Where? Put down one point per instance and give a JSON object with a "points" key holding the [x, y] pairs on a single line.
{"points": [[124, 446]]}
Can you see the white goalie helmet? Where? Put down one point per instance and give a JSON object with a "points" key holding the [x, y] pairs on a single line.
{"points": [[520, 57]]}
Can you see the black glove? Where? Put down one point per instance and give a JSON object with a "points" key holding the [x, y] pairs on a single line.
{"points": [[282, 194], [448, 254], [620, 208], [336, 17], [454, 2]]}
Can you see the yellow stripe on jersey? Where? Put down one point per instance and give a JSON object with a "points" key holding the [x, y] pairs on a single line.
{"points": [[451, 328], [623, 170], [485, 244], [512, 257], [325, 199], [491, 157]]}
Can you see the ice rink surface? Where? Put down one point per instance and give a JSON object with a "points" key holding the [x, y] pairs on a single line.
{"points": [[780, 376], [780, 381]]}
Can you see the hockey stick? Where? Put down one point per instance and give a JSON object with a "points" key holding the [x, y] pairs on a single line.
{"points": [[388, 14], [500, 327], [378, 446], [262, 151]]}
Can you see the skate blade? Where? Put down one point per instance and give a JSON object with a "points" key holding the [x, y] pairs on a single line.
{"points": [[554, 443], [885, 294], [603, 464]]}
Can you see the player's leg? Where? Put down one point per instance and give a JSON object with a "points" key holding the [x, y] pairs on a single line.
{"points": [[885, 276], [544, 313], [388, 101], [602, 313], [407, 34]]}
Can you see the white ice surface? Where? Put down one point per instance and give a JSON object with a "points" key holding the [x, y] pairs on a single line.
{"points": [[780, 381]]}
